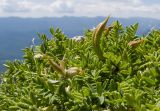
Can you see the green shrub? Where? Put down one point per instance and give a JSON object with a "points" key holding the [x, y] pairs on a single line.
{"points": [[62, 74]]}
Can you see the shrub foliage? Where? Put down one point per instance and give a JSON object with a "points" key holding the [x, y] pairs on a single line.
{"points": [[63, 74]]}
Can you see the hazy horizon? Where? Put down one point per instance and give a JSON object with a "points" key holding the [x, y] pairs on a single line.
{"points": [[79, 17]]}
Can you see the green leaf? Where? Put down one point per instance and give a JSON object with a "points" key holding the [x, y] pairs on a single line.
{"points": [[52, 30], [101, 99]]}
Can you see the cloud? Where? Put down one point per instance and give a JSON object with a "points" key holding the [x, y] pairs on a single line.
{"points": [[11, 6], [62, 7], [117, 8], [31, 6]]}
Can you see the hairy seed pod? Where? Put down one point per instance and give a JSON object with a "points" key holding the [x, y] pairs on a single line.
{"points": [[135, 43], [73, 71], [56, 67], [59, 68], [96, 38], [107, 30]]}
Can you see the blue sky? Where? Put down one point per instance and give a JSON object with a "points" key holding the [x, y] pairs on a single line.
{"points": [[151, 1], [90, 8]]}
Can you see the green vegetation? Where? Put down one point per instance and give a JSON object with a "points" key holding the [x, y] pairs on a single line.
{"points": [[63, 74]]}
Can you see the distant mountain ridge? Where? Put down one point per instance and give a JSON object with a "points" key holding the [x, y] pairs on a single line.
{"points": [[17, 33]]}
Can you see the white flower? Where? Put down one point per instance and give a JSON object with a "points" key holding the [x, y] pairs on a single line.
{"points": [[53, 81], [67, 88], [38, 56], [78, 38]]}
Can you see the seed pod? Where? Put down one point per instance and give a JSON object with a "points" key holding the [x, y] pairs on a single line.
{"points": [[73, 71], [96, 38], [61, 68], [107, 30], [54, 65], [135, 43]]}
